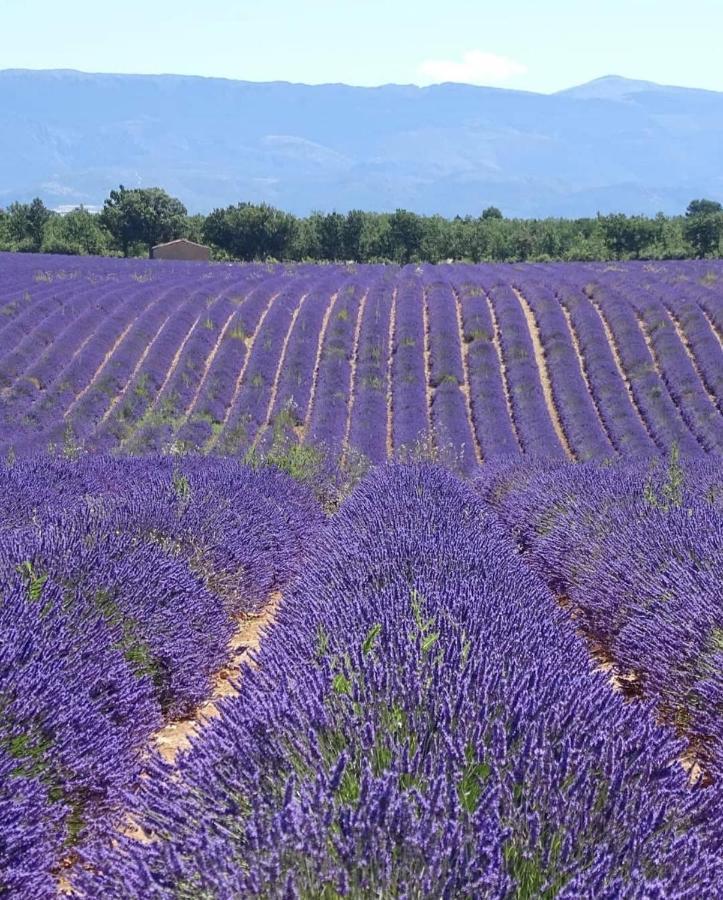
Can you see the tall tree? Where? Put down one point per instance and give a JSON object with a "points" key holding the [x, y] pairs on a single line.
{"points": [[147, 216], [26, 224], [248, 231], [353, 234], [492, 212], [703, 226], [406, 231], [331, 235], [77, 232]]}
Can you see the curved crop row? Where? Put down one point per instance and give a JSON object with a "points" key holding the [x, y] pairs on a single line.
{"points": [[638, 555], [122, 581], [424, 722], [583, 360]]}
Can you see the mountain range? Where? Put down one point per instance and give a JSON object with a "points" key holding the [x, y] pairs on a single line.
{"points": [[610, 145]]}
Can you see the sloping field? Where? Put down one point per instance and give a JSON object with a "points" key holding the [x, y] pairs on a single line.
{"points": [[499, 677], [501, 688], [576, 361]]}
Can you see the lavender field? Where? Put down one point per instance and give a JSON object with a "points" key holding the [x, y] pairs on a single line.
{"points": [[577, 361], [489, 665]]}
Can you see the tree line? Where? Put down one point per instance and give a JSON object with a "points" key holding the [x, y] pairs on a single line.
{"points": [[133, 220]]}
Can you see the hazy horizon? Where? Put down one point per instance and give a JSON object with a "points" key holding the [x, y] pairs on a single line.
{"points": [[523, 45], [610, 76]]}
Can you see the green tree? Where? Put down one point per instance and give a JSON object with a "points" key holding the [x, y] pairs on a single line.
{"points": [[5, 242], [406, 231], [703, 226], [26, 224], [78, 232], [354, 227], [146, 216], [193, 229], [492, 212], [330, 229], [250, 231]]}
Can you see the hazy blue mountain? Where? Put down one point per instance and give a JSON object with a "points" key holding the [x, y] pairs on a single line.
{"points": [[610, 145]]}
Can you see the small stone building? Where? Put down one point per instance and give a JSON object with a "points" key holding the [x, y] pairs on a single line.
{"points": [[181, 249]]}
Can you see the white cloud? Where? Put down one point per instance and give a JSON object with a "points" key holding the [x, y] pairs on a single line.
{"points": [[475, 67]]}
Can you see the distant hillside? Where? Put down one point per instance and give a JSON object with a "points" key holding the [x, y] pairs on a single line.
{"points": [[611, 145]]}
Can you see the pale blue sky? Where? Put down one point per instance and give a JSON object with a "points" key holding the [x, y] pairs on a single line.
{"points": [[526, 44]]}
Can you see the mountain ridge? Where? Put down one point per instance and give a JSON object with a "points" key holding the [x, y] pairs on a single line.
{"points": [[612, 144]]}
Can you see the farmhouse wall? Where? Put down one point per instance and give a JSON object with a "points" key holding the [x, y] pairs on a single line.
{"points": [[181, 249]]}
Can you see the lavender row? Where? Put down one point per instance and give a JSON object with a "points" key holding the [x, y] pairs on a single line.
{"points": [[122, 581], [35, 334], [678, 373], [69, 336], [424, 722], [368, 426], [216, 397], [450, 418], [175, 396], [578, 416], [621, 419], [410, 413], [651, 396], [249, 412], [638, 552], [329, 409], [532, 419], [493, 423], [294, 388], [180, 375], [705, 349]]}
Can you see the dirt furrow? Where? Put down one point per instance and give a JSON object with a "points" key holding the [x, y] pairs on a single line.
{"points": [[352, 376], [642, 325], [503, 369], [249, 343], [390, 360], [427, 350], [176, 736], [106, 359], [119, 397], [544, 373], [630, 684], [583, 371], [279, 369], [207, 366], [465, 386], [619, 366], [683, 338], [303, 431], [80, 349], [711, 325]]}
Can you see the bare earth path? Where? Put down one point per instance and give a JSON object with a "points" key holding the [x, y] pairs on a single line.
{"points": [[354, 364], [250, 631], [497, 344], [176, 736], [683, 338], [465, 386], [583, 372], [391, 349], [544, 374], [711, 325], [621, 371], [317, 365]]}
